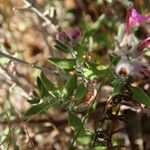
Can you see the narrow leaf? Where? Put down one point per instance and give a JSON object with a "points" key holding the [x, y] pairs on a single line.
{"points": [[97, 24], [80, 93], [117, 85], [42, 88], [38, 108], [34, 100], [76, 123], [62, 47], [39, 83], [86, 25], [70, 86], [48, 84], [63, 63]]}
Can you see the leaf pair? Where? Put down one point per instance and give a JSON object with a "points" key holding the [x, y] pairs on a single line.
{"points": [[45, 86]]}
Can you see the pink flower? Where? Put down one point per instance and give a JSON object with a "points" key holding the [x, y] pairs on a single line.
{"points": [[133, 19], [138, 50]]}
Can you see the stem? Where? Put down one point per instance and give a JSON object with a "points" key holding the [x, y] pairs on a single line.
{"points": [[87, 114], [14, 80], [14, 130], [26, 63], [41, 15]]}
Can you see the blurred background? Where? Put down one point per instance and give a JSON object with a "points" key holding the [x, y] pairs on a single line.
{"points": [[28, 30]]}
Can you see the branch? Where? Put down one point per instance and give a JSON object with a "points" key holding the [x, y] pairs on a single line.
{"points": [[12, 79], [48, 21], [26, 63]]}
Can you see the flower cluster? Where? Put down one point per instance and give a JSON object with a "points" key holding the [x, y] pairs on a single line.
{"points": [[129, 63], [73, 35]]}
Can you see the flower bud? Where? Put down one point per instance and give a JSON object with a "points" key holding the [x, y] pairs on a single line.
{"points": [[74, 34], [62, 36]]}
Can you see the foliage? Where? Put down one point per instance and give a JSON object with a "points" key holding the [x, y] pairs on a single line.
{"points": [[81, 75]]}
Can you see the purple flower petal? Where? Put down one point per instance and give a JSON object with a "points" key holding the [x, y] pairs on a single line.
{"points": [[144, 44], [134, 18], [74, 34]]}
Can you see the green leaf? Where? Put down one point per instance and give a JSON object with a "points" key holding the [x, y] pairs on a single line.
{"points": [[85, 140], [76, 123], [70, 86], [63, 63], [35, 93], [39, 83], [114, 59], [38, 108], [93, 73], [62, 47], [97, 24], [140, 96], [42, 88], [88, 73], [44, 92], [86, 26], [34, 100], [80, 93], [47, 83], [147, 52], [117, 85], [80, 53]]}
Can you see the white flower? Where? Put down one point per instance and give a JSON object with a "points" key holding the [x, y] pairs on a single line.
{"points": [[124, 67]]}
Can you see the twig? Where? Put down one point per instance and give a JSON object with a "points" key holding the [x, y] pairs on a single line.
{"points": [[48, 21], [24, 127], [9, 125], [26, 63], [11, 133], [13, 80]]}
